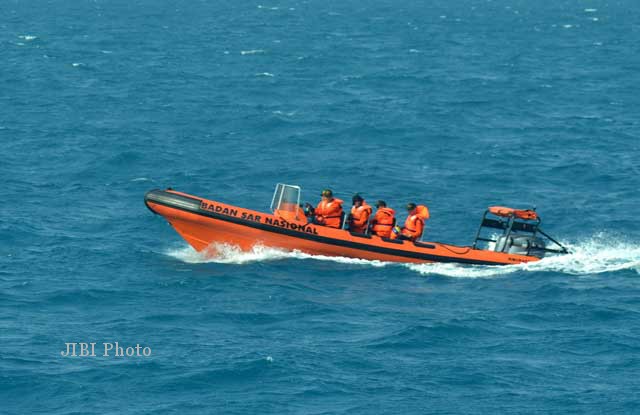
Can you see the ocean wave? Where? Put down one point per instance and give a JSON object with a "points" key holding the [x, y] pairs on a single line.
{"points": [[596, 255], [286, 113], [234, 369], [426, 335], [251, 52]]}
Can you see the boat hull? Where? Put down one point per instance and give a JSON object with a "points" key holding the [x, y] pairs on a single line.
{"points": [[204, 223]]}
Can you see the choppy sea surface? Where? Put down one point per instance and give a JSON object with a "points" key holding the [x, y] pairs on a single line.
{"points": [[456, 104]]}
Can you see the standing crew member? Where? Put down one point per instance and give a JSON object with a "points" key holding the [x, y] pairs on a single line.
{"points": [[329, 210], [360, 214], [384, 220], [414, 225]]}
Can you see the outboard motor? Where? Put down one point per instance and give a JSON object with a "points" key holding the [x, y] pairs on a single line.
{"points": [[521, 245]]}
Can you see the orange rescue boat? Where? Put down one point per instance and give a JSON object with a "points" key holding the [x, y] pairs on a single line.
{"points": [[202, 223]]}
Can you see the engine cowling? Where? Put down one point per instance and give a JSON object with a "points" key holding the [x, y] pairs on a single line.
{"points": [[521, 245]]}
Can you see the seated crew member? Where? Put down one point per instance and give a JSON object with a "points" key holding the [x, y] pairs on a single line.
{"points": [[328, 212], [414, 225], [360, 214], [383, 220]]}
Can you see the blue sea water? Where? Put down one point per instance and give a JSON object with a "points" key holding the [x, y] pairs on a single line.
{"points": [[456, 104]]}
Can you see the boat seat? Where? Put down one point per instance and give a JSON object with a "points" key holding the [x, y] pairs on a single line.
{"points": [[360, 235], [424, 245]]}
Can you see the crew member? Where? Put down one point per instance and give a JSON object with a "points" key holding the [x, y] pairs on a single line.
{"points": [[360, 214], [414, 225], [383, 221], [328, 212]]}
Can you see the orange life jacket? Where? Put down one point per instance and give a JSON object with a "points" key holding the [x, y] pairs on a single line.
{"points": [[414, 225], [422, 211], [329, 213], [360, 217], [383, 221]]}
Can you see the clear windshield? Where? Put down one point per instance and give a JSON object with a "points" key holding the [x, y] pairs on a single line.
{"points": [[286, 202]]}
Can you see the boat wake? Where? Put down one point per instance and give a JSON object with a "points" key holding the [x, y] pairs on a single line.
{"points": [[597, 255], [230, 254]]}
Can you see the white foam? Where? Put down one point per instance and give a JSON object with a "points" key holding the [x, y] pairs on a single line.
{"points": [[461, 271], [590, 10], [251, 52], [28, 37], [596, 255], [288, 114], [268, 74], [229, 254]]}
